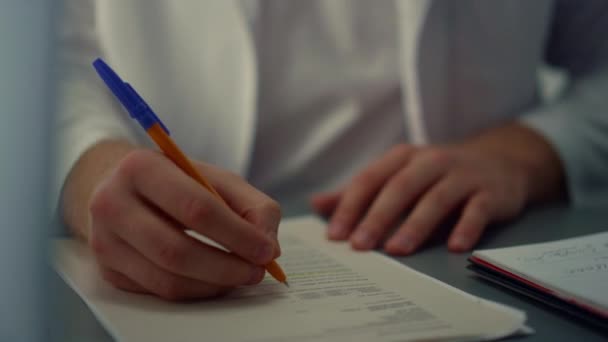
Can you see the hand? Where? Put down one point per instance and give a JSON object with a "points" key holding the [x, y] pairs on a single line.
{"points": [[138, 214], [429, 183]]}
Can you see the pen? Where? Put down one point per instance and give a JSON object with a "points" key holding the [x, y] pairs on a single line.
{"points": [[140, 111]]}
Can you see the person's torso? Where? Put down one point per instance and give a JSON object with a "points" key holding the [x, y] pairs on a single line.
{"points": [[468, 65], [328, 91]]}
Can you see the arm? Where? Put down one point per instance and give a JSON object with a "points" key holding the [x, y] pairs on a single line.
{"points": [[85, 112], [577, 124], [131, 205], [554, 150]]}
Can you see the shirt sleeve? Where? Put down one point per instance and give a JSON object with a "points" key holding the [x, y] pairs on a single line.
{"points": [[577, 123], [85, 111]]}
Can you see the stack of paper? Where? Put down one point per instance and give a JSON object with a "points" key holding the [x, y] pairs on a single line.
{"points": [[336, 294]]}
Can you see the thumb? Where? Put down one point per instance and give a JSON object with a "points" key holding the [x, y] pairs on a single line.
{"points": [[246, 201], [266, 219]]}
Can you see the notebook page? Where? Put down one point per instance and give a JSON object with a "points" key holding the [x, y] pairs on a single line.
{"points": [[336, 294], [575, 268]]}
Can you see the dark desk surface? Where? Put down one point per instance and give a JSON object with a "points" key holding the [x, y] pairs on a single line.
{"points": [[74, 322]]}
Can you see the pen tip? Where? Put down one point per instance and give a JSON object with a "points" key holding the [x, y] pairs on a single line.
{"points": [[286, 283]]}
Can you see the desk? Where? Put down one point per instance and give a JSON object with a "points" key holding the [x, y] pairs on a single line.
{"points": [[74, 322]]}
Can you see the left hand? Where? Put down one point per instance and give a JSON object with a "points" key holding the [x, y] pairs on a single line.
{"points": [[430, 183]]}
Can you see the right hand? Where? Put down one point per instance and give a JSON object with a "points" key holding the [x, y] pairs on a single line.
{"points": [[138, 214]]}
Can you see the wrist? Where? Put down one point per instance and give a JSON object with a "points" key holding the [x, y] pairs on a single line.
{"points": [[532, 156], [88, 171]]}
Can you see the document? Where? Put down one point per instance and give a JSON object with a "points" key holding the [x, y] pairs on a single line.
{"points": [[575, 270], [335, 294]]}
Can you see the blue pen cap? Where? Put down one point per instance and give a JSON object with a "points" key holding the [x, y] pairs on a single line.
{"points": [[136, 106]]}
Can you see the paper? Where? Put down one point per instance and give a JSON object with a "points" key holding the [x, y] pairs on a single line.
{"points": [[574, 268], [336, 294]]}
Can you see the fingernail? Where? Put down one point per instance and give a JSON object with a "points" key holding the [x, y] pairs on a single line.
{"points": [[404, 244], [337, 230], [264, 253], [460, 242], [362, 240], [257, 274]]}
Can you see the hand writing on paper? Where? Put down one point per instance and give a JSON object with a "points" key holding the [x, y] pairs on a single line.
{"points": [[487, 179], [138, 214]]}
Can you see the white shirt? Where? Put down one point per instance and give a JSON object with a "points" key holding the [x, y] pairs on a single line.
{"points": [[464, 66], [327, 86]]}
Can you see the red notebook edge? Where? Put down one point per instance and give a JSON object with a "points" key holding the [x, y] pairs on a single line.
{"points": [[486, 264]]}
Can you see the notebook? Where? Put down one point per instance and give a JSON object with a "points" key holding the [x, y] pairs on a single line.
{"points": [[335, 294], [570, 274]]}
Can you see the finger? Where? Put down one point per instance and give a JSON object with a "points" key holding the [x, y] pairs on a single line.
{"points": [[161, 183], [399, 193], [434, 207], [161, 241], [475, 217], [360, 192], [325, 203], [152, 278], [121, 281]]}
